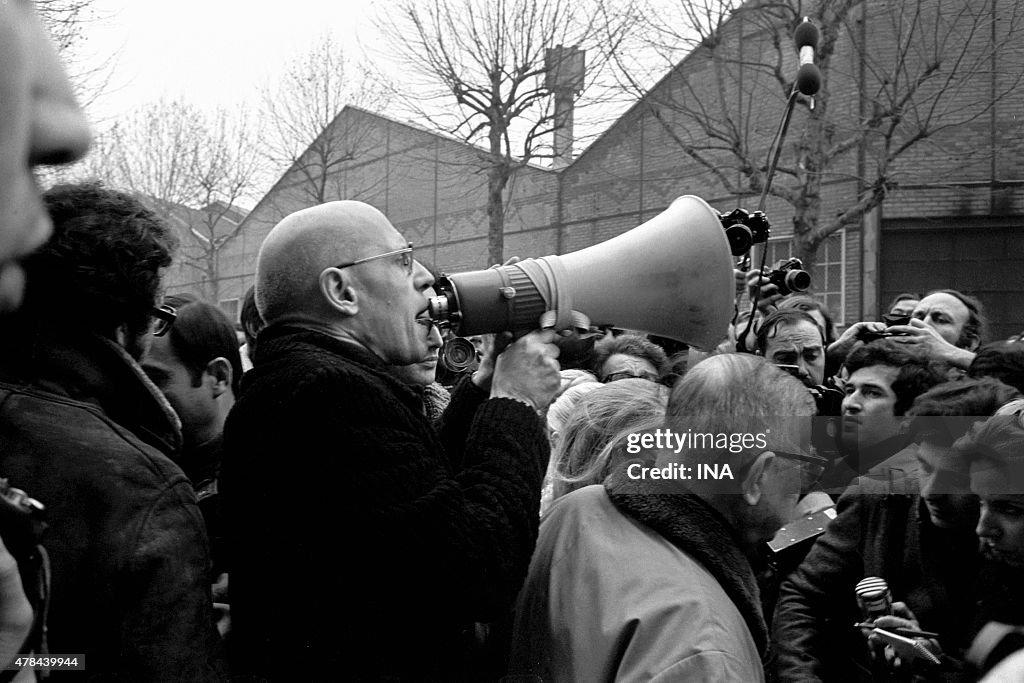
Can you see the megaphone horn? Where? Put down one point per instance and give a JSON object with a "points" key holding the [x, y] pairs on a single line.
{"points": [[671, 276]]}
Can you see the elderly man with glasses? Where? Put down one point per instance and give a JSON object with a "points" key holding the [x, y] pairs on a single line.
{"points": [[83, 431], [365, 545], [650, 576]]}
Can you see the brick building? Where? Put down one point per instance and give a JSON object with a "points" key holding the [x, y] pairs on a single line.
{"points": [[954, 219]]}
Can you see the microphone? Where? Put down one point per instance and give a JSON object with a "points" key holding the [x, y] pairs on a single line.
{"points": [[808, 77], [874, 598]]}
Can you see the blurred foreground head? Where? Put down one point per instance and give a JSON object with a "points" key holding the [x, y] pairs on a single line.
{"points": [[40, 124]]}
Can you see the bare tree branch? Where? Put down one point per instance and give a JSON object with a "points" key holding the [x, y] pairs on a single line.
{"points": [[489, 58], [191, 168], [306, 136], [926, 82]]}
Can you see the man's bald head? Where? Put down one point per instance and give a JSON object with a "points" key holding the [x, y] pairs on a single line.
{"points": [[306, 242]]}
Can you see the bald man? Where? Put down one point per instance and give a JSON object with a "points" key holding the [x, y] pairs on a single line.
{"points": [[365, 545]]}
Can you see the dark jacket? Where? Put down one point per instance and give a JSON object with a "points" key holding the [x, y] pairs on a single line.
{"points": [[874, 534], [362, 543], [84, 432], [893, 460], [201, 465]]}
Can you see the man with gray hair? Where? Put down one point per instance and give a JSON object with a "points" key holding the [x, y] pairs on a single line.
{"points": [[665, 545], [328, 455]]}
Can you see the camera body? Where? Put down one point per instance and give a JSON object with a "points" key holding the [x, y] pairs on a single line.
{"points": [[827, 398], [890, 321], [789, 276], [744, 229]]}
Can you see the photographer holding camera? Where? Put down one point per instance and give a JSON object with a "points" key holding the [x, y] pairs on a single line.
{"points": [[792, 340], [946, 325]]}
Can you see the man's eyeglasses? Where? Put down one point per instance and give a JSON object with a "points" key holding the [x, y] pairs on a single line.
{"points": [[616, 376], [163, 318], [405, 253]]}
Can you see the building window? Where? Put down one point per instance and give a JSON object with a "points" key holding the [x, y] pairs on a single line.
{"points": [[828, 277], [230, 308]]}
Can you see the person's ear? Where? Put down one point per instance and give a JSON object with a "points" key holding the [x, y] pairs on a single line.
{"points": [[753, 484], [339, 291], [219, 373]]}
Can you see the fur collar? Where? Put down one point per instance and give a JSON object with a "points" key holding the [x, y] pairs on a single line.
{"points": [[694, 527]]}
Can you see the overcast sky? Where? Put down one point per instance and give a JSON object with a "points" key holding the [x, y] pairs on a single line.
{"points": [[215, 52]]}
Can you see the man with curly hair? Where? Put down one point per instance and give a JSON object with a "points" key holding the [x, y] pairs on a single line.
{"points": [[628, 356], [84, 431]]}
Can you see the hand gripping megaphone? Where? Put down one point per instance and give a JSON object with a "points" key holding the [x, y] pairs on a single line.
{"points": [[671, 276]]}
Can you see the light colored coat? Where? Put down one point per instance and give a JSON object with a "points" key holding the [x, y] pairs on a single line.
{"points": [[607, 598]]}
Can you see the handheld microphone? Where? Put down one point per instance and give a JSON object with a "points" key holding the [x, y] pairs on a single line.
{"points": [[874, 598], [808, 77]]}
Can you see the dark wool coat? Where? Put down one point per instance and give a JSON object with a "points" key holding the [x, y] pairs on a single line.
{"points": [[83, 431], [363, 544], [874, 534]]}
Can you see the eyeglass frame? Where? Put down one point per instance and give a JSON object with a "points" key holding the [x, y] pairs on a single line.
{"points": [[165, 315], [404, 250], [626, 374], [808, 476], [805, 461]]}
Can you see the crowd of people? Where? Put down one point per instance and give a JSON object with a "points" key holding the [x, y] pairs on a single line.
{"points": [[316, 496]]}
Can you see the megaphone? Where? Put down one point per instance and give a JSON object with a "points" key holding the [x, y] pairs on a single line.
{"points": [[671, 276]]}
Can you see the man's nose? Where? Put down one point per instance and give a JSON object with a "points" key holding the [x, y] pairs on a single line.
{"points": [[60, 132], [434, 340], [928, 485], [986, 527], [422, 276], [851, 404]]}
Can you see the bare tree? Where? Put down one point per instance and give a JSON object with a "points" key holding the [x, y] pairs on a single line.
{"points": [[305, 133], [488, 56], [190, 167], [65, 19], [68, 21], [937, 74]]}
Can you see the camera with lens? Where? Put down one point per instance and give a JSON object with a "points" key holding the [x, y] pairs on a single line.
{"points": [[458, 354], [788, 276], [828, 403], [890, 320], [827, 397], [744, 229]]}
